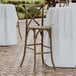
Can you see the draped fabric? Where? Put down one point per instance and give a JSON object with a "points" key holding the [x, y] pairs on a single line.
{"points": [[8, 21], [63, 22]]}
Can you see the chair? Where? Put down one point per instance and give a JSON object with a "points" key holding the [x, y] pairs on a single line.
{"points": [[36, 30], [18, 25], [16, 3], [63, 3], [51, 3]]}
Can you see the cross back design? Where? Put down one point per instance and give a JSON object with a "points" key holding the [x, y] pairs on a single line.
{"points": [[32, 12], [32, 18], [63, 3]]}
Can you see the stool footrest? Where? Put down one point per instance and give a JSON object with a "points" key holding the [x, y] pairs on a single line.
{"points": [[30, 48], [43, 53], [33, 44]]}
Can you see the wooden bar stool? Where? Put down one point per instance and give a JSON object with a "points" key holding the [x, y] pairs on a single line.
{"points": [[18, 24], [63, 3], [17, 3], [36, 30]]}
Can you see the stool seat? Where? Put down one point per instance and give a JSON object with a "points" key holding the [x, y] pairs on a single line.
{"points": [[40, 27]]}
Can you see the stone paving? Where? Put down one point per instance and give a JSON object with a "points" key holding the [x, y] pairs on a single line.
{"points": [[10, 58]]}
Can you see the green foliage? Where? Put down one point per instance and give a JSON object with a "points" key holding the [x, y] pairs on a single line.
{"points": [[39, 1], [21, 15], [34, 10], [4, 1], [27, 1], [31, 10], [34, 1], [21, 8], [21, 11]]}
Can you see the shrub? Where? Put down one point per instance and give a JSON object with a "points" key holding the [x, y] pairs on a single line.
{"points": [[4, 1], [34, 1], [20, 8], [34, 10], [21, 15]]}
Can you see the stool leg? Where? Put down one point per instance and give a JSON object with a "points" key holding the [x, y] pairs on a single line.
{"points": [[19, 30], [34, 49], [50, 33], [24, 49], [42, 47]]}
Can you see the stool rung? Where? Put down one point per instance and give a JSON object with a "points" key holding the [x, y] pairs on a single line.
{"points": [[33, 44], [46, 46], [43, 53], [38, 53], [29, 48]]}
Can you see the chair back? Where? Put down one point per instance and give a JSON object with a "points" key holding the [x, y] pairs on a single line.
{"points": [[62, 3], [33, 12]]}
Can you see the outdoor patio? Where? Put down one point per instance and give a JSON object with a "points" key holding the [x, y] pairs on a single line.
{"points": [[10, 58]]}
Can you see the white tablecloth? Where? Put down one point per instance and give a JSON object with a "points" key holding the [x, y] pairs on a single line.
{"points": [[63, 22], [8, 21]]}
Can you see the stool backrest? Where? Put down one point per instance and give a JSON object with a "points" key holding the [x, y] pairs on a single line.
{"points": [[33, 12], [62, 3]]}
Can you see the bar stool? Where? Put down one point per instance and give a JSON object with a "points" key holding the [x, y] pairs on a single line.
{"points": [[18, 24], [36, 30], [63, 3], [16, 3]]}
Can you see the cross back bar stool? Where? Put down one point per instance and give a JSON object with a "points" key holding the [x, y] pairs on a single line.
{"points": [[17, 3], [18, 24], [36, 30], [63, 3]]}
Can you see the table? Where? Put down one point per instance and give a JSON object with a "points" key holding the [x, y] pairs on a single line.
{"points": [[63, 22], [8, 21]]}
